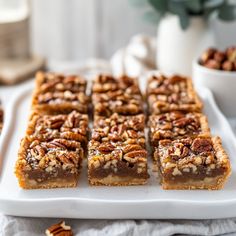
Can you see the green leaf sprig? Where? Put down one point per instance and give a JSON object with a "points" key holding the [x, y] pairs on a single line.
{"points": [[185, 9]]}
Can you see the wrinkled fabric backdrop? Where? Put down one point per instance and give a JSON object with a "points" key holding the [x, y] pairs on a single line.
{"points": [[79, 29]]}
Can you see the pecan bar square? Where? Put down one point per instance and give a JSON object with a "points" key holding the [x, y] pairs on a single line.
{"points": [[72, 126], [48, 164], [116, 95], [172, 93], [192, 163], [177, 125], [56, 93], [116, 152]]}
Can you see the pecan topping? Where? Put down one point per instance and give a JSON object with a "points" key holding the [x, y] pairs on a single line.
{"points": [[60, 97], [171, 93], [121, 123], [118, 129], [177, 125], [51, 82], [73, 126], [60, 229], [106, 83], [57, 153]]}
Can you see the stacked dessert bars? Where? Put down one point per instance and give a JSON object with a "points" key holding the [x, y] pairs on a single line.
{"points": [[186, 154], [53, 148], [117, 153], [56, 139]]}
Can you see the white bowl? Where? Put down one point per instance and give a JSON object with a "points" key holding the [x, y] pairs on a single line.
{"points": [[221, 83]]}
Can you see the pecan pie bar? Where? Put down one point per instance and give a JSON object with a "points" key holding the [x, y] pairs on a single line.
{"points": [[116, 95], [48, 164], [72, 126], [177, 125], [192, 163], [117, 154], [171, 93], [60, 94]]}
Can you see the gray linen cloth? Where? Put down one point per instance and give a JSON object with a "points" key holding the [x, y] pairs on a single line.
{"points": [[21, 226]]}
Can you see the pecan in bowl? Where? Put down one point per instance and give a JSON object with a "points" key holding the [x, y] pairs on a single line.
{"points": [[213, 58]]}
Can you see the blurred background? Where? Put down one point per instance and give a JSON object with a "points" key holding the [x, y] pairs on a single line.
{"points": [[78, 29], [34, 32]]}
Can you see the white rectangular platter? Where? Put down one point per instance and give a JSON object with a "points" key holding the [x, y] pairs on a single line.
{"points": [[137, 202]]}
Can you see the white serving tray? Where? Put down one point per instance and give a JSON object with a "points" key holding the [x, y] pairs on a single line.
{"points": [[137, 202]]}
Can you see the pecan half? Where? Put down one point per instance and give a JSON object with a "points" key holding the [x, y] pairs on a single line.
{"points": [[201, 145], [106, 148], [131, 147], [136, 153], [60, 229]]}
